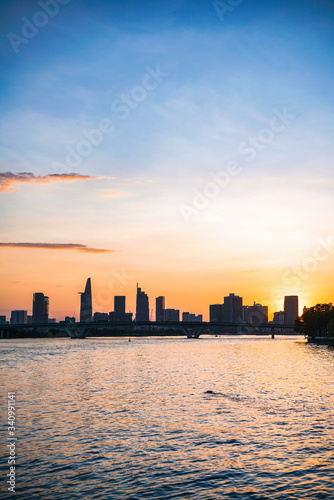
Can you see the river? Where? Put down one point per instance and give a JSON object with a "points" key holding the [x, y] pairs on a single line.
{"points": [[154, 418]]}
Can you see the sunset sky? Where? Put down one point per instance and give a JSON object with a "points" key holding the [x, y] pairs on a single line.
{"points": [[181, 145]]}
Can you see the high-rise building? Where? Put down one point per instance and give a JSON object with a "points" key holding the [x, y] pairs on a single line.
{"points": [[187, 316], [119, 313], [232, 311], [119, 307], [216, 313], [98, 316], [172, 315], [142, 306], [159, 308], [278, 318], [19, 318], [115, 317], [255, 314], [290, 309], [190, 317], [40, 308], [86, 309]]}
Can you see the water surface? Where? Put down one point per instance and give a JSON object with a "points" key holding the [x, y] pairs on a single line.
{"points": [[106, 418]]}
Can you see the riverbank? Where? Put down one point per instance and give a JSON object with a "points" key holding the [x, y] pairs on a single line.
{"points": [[321, 340]]}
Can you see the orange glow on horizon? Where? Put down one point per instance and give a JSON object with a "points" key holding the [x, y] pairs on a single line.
{"points": [[62, 274]]}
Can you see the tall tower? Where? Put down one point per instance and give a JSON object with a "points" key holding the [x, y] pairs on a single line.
{"points": [[216, 313], [159, 309], [119, 307], [232, 310], [142, 307], [290, 309], [40, 308], [86, 303]]}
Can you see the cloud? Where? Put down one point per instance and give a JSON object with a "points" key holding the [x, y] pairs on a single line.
{"points": [[115, 194], [57, 246], [7, 179]]}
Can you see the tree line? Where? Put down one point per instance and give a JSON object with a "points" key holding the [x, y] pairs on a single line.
{"points": [[318, 321]]}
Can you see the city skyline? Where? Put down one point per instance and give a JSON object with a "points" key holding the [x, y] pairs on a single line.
{"points": [[230, 309], [176, 144]]}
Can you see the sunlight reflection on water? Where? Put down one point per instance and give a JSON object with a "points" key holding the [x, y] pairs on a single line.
{"points": [[105, 418]]}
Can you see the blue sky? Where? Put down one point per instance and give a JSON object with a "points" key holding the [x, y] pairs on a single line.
{"points": [[222, 80]]}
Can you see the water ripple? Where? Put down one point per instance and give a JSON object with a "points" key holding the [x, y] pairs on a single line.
{"points": [[219, 418]]}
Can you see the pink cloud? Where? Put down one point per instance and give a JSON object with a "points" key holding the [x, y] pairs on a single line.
{"points": [[57, 246], [8, 179]]}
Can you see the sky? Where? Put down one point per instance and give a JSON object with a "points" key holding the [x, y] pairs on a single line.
{"points": [[184, 145]]}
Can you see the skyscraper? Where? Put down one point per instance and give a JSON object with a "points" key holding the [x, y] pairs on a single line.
{"points": [[40, 308], [19, 318], [255, 314], [159, 308], [86, 303], [216, 313], [119, 313], [187, 316], [278, 318], [290, 309], [232, 311], [119, 307], [172, 315], [142, 307]]}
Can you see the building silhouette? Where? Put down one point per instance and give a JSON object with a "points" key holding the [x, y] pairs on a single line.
{"points": [[278, 318], [142, 306], [172, 315], [290, 309], [69, 319], [232, 311], [255, 314], [160, 309], [216, 313], [119, 306], [40, 308], [187, 316], [86, 309], [98, 316], [119, 314], [19, 318]]}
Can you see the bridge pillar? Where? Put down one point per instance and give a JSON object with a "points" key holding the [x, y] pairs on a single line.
{"points": [[73, 333], [190, 335], [82, 331], [198, 333], [69, 333]]}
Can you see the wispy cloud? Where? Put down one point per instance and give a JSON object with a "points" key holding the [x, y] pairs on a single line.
{"points": [[57, 246], [114, 194], [7, 179]]}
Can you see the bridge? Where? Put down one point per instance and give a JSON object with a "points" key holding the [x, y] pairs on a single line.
{"points": [[192, 330]]}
